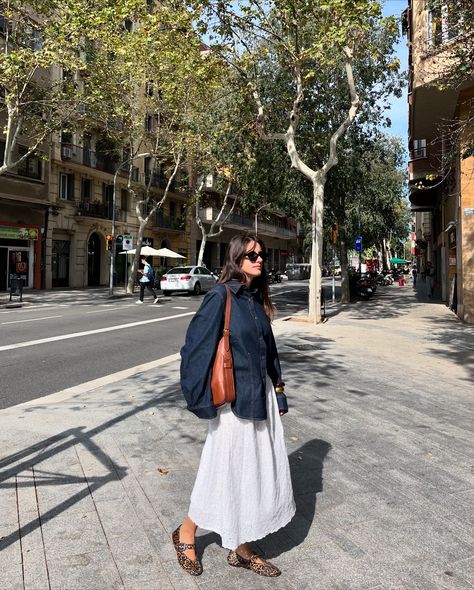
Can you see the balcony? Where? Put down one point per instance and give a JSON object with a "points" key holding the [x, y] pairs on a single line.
{"points": [[172, 223], [96, 209], [243, 222]]}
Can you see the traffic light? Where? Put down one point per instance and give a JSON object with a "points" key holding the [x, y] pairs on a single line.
{"points": [[108, 242], [334, 233]]}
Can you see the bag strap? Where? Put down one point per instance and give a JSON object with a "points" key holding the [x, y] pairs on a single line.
{"points": [[226, 333]]}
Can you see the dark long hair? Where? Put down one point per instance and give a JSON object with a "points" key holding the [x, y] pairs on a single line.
{"points": [[231, 270]]}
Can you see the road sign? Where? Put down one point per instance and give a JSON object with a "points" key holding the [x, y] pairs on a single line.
{"points": [[127, 243], [358, 244]]}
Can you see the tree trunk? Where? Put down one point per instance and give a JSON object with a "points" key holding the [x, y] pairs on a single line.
{"points": [[345, 287], [136, 257], [202, 247], [314, 315]]}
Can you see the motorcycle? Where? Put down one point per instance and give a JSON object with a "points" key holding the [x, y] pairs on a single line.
{"points": [[361, 286], [274, 276]]}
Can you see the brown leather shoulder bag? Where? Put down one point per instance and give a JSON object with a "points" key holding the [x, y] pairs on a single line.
{"points": [[222, 376]]}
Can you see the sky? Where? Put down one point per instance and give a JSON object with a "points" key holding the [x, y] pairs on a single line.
{"points": [[398, 111]]}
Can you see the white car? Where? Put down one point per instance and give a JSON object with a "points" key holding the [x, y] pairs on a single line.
{"points": [[187, 278]]}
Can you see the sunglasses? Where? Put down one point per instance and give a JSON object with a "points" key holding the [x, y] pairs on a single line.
{"points": [[253, 256]]}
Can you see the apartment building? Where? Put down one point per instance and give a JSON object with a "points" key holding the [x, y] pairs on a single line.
{"points": [[441, 180]]}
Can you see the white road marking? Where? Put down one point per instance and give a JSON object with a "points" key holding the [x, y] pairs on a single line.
{"points": [[34, 308], [176, 307], [108, 309], [32, 320], [82, 388], [283, 292], [89, 332]]}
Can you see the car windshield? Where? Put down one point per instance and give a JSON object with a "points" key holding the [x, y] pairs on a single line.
{"points": [[180, 270]]}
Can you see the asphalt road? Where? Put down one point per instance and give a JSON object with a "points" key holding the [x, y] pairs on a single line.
{"points": [[51, 347]]}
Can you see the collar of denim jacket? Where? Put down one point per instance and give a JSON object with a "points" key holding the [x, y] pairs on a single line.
{"points": [[239, 288]]}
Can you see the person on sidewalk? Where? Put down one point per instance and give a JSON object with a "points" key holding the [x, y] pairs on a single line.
{"points": [[146, 280], [243, 487], [430, 279], [414, 274]]}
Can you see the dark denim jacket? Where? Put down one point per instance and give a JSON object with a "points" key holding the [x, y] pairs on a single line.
{"points": [[253, 350]]}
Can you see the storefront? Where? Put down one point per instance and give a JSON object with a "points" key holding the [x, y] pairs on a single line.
{"points": [[20, 255]]}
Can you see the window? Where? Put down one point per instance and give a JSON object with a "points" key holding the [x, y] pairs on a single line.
{"points": [[86, 189], [30, 166], [444, 24], [127, 25], [66, 186], [149, 123], [172, 210], [419, 149], [147, 166], [3, 24], [108, 198], [124, 199]]}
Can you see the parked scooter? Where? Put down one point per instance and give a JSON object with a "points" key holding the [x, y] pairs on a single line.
{"points": [[274, 276], [361, 286]]}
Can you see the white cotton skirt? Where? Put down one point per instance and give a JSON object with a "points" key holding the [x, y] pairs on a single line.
{"points": [[243, 487]]}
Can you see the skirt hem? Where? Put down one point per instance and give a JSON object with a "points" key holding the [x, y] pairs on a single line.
{"points": [[255, 536]]}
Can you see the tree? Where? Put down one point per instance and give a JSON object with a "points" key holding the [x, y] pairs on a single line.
{"points": [[166, 82], [53, 69], [307, 42]]}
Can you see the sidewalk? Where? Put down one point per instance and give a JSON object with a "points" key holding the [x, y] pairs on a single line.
{"points": [[379, 436], [61, 296]]}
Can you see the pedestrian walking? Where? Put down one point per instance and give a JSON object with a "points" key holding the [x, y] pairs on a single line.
{"points": [[430, 279], [414, 274], [147, 279], [243, 487]]}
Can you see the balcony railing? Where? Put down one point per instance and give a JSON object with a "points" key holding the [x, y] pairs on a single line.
{"points": [[418, 153], [209, 214], [167, 222], [97, 209]]}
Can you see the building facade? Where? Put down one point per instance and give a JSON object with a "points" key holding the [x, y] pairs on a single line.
{"points": [[441, 179]]}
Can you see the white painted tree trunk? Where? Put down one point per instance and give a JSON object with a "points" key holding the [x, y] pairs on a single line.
{"points": [[317, 177], [202, 248], [315, 282]]}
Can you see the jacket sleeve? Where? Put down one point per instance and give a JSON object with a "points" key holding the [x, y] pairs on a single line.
{"points": [[274, 371], [197, 354], [273, 365]]}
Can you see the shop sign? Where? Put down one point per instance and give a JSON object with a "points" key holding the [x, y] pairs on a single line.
{"points": [[8, 232]]}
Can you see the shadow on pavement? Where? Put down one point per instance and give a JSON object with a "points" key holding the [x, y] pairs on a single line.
{"points": [[455, 340], [27, 460], [306, 466]]}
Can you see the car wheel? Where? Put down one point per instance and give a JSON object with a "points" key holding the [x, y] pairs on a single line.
{"points": [[167, 293], [197, 289]]}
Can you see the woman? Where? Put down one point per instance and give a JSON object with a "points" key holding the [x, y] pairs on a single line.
{"points": [[243, 487]]}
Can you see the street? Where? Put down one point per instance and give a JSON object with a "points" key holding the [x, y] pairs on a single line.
{"points": [[48, 346]]}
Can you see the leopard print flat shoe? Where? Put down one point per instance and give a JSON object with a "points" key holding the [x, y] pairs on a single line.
{"points": [[192, 566], [262, 568]]}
